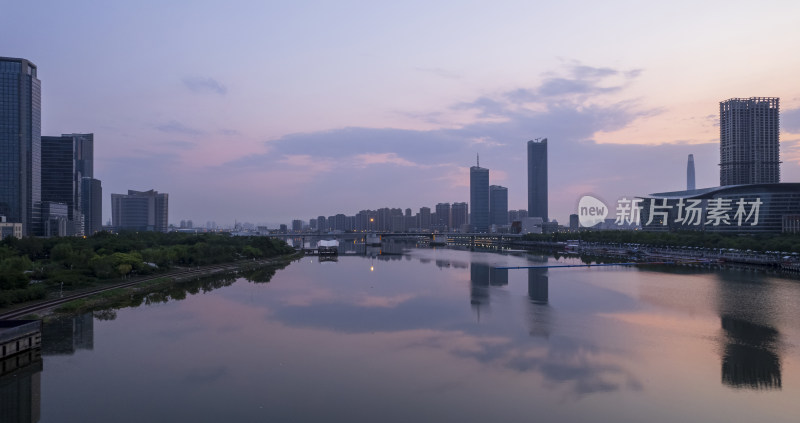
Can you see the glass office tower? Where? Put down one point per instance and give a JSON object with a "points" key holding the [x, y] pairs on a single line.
{"points": [[537, 178], [498, 205], [479, 198], [20, 144]]}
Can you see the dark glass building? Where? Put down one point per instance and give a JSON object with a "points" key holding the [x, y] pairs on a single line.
{"points": [[66, 160], [754, 208], [749, 142], [140, 211], [537, 178], [92, 205], [20, 144], [58, 178], [498, 205], [479, 198]]}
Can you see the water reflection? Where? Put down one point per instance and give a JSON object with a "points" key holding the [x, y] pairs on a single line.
{"points": [[499, 277], [21, 388], [349, 338], [65, 335], [479, 286], [750, 352], [750, 358], [539, 310], [483, 277]]}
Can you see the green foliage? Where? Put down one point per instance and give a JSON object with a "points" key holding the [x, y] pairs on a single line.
{"points": [[12, 272], [251, 252], [73, 306], [61, 252], [14, 296], [76, 261]]}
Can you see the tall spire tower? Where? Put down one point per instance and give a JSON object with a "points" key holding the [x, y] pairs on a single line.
{"points": [[690, 173], [479, 198]]}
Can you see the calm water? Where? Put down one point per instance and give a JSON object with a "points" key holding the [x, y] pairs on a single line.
{"points": [[434, 335]]}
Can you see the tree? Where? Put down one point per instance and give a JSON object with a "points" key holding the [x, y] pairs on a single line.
{"points": [[61, 252]]}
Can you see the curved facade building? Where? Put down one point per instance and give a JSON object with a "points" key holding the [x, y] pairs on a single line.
{"points": [[752, 208]]}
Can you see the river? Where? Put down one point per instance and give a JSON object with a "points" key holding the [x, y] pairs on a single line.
{"points": [[431, 335]]}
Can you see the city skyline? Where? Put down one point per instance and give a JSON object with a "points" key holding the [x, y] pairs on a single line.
{"points": [[274, 137]]}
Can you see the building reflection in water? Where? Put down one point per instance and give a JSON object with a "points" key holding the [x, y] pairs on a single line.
{"points": [[499, 277], [21, 387], [750, 358], [539, 310], [20, 380], [479, 281], [63, 336], [750, 351]]}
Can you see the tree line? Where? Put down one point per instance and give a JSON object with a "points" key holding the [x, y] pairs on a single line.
{"points": [[30, 266]]}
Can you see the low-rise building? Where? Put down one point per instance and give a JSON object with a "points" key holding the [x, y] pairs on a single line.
{"points": [[751, 208]]}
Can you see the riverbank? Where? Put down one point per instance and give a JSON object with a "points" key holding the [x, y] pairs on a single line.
{"points": [[776, 263], [80, 301]]}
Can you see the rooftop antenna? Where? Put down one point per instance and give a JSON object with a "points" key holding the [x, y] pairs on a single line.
{"points": [[479, 159]]}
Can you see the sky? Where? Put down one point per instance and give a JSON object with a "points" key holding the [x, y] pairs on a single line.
{"points": [[267, 111]]}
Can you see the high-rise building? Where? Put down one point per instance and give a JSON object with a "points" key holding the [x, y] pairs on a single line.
{"points": [[537, 178], [498, 205], [479, 198], [58, 179], [398, 223], [425, 218], [66, 160], [20, 144], [140, 211], [340, 222], [92, 205], [574, 222], [297, 226], [749, 141], [383, 219], [459, 216], [690, 173], [442, 217], [322, 224]]}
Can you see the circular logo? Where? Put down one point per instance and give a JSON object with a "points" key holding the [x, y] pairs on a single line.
{"points": [[591, 211]]}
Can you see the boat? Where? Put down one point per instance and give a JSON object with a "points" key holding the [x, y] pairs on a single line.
{"points": [[328, 247]]}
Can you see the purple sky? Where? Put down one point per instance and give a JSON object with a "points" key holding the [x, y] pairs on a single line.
{"points": [[269, 111]]}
